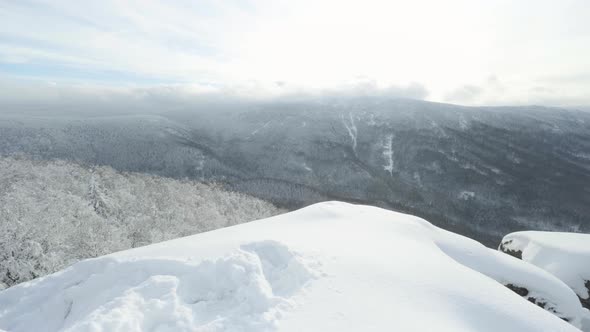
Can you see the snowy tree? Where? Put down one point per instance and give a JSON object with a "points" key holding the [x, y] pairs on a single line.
{"points": [[55, 213]]}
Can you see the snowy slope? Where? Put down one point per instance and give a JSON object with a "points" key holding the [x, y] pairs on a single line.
{"points": [[328, 267], [565, 255]]}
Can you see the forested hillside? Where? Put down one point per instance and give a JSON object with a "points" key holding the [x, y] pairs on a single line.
{"points": [[479, 171], [54, 213]]}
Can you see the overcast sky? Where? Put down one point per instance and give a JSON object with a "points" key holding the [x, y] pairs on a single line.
{"points": [[468, 52]]}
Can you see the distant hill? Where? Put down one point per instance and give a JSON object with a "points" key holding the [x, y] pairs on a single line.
{"points": [[479, 171]]}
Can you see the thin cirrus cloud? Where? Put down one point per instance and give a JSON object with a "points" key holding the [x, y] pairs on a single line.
{"points": [[469, 52]]}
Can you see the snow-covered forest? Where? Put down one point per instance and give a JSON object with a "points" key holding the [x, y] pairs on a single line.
{"points": [[54, 213]]}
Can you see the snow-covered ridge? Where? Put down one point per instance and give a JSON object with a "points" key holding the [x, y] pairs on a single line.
{"points": [[328, 267], [565, 255]]}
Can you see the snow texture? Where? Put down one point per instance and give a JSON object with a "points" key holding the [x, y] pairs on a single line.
{"points": [[328, 267], [565, 255], [352, 131], [388, 154]]}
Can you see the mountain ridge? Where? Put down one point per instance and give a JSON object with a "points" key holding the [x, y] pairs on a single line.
{"points": [[482, 172]]}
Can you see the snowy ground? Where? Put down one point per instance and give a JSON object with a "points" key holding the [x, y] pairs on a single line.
{"points": [[329, 267]]}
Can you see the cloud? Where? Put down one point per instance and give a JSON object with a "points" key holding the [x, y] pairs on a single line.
{"points": [[358, 87], [244, 47], [541, 91], [490, 88], [464, 94], [51, 97], [18, 91], [144, 38], [368, 87]]}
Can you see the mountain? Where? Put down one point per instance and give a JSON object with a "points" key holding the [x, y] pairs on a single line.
{"points": [[479, 171], [328, 267]]}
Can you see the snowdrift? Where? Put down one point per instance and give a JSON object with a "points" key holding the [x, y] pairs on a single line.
{"points": [[565, 255], [328, 267]]}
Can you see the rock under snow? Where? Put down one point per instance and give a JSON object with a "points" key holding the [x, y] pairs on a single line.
{"points": [[565, 255], [328, 267]]}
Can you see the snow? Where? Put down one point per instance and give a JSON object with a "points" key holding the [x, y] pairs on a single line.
{"points": [[328, 267], [306, 167], [253, 133], [565, 255], [466, 195], [388, 154], [352, 131]]}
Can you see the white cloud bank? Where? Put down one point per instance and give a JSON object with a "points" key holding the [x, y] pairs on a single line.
{"points": [[537, 50]]}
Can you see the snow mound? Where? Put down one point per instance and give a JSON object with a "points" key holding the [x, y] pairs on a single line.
{"points": [[565, 255], [531, 283], [241, 291], [328, 267]]}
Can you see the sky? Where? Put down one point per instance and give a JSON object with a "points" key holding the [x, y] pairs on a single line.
{"points": [[472, 52]]}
